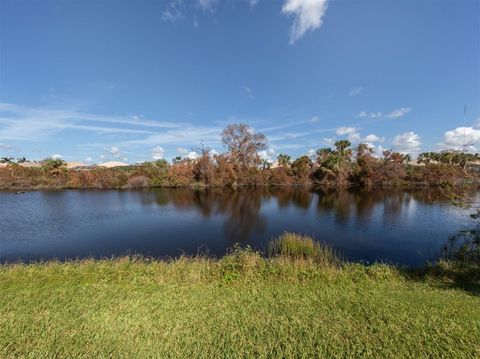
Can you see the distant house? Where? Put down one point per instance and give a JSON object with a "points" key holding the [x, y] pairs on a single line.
{"points": [[29, 164], [112, 164], [72, 165]]}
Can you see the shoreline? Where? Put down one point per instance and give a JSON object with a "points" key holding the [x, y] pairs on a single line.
{"points": [[240, 305]]}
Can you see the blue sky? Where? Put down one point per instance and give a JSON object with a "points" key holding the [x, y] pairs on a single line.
{"points": [[144, 79]]}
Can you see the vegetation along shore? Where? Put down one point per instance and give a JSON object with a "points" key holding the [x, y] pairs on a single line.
{"points": [[243, 164], [298, 300]]}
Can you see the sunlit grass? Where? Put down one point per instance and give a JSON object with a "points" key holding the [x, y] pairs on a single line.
{"points": [[242, 305], [297, 246]]}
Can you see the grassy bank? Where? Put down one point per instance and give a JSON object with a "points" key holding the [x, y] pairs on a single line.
{"points": [[243, 305]]}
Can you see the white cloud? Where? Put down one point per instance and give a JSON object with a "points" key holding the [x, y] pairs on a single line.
{"points": [[56, 157], [39, 123], [88, 159], [182, 151], [173, 11], [114, 150], [373, 138], [399, 112], [461, 137], [207, 4], [192, 155], [158, 153], [377, 150], [5, 147], [188, 135], [393, 114], [249, 93], [329, 140], [253, 3], [363, 114], [341, 131], [354, 136], [314, 119], [408, 143], [267, 155], [311, 153], [308, 16], [357, 91]]}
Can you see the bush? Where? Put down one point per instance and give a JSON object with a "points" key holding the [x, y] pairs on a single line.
{"points": [[54, 167], [297, 246]]}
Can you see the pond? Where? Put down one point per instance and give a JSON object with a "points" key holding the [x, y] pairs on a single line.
{"points": [[395, 226]]}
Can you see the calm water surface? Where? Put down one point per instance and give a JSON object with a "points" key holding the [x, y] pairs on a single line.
{"points": [[405, 227]]}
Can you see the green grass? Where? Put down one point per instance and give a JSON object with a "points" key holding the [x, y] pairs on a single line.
{"points": [[297, 246], [242, 305]]}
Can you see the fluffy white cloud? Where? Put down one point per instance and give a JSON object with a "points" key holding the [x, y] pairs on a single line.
{"points": [[377, 150], [308, 16], [461, 137], [267, 155], [363, 114], [56, 157], [341, 131], [353, 135], [373, 138], [114, 150], [399, 112], [357, 91], [193, 155], [408, 143], [88, 159], [158, 153], [253, 3]]}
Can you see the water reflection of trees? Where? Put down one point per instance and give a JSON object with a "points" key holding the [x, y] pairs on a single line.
{"points": [[242, 208], [361, 203]]}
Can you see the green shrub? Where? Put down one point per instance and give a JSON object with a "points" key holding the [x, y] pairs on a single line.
{"points": [[297, 246], [54, 167]]}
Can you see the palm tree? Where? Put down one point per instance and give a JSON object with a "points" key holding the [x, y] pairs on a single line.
{"points": [[284, 160], [6, 160], [342, 147], [335, 165]]}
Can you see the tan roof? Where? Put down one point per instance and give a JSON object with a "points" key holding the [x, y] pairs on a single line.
{"points": [[71, 165], [30, 164], [112, 164]]}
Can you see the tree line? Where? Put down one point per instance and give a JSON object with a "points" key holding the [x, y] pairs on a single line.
{"points": [[242, 165]]}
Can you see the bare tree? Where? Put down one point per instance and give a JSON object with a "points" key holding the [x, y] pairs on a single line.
{"points": [[243, 145]]}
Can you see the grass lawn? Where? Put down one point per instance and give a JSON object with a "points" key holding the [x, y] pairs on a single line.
{"points": [[240, 306]]}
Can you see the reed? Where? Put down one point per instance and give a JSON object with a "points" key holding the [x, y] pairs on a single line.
{"points": [[297, 246]]}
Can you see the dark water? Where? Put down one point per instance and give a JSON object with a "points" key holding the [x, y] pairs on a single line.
{"points": [[405, 227]]}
